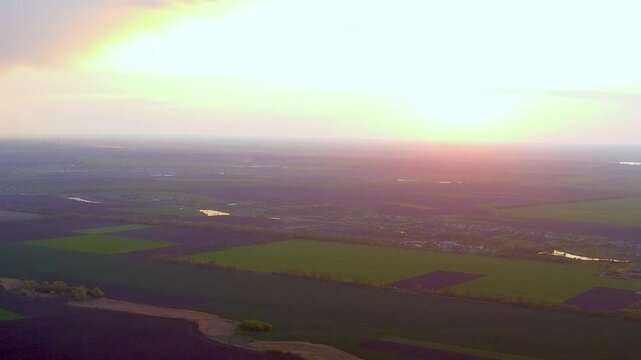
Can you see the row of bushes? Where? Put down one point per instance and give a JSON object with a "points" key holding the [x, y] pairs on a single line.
{"points": [[254, 326], [60, 288], [290, 272]]}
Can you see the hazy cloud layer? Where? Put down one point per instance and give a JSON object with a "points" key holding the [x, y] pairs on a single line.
{"points": [[468, 70], [49, 32], [633, 96]]}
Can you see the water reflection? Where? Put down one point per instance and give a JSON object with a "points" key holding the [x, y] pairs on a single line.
{"points": [[579, 257], [208, 212]]}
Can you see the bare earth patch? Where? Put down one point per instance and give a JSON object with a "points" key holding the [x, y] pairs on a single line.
{"points": [[214, 327], [435, 280], [608, 299]]}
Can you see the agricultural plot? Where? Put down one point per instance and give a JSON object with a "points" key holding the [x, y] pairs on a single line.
{"points": [[53, 204], [195, 240], [163, 210], [416, 349], [257, 221], [445, 199], [11, 216], [416, 352], [630, 234], [6, 315], [57, 331], [626, 212], [504, 278], [112, 229], [337, 314], [149, 297], [605, 299], [46, 228], [435, 281], [100, 244]]}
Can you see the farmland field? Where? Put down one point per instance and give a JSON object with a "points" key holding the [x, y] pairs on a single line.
{"points": [[409, 347], [194, 240], [613, 212], [10, 216], [100, 244], [46, 228], [605, 299], [435, 280], [401, 250], [340, 314], [504, 278], [111, 229], [6, 315], [56, 331]]}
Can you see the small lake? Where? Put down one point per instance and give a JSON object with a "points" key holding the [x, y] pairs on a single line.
{"points": [[582, 258], [209, 212], [83, 200]]}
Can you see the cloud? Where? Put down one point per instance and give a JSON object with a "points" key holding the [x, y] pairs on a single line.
{"points": [[50, 33], [577, 94]]}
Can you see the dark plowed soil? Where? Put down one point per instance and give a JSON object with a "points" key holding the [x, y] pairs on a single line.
{"points": [[607, 299], [435, 281], [415, 352]]}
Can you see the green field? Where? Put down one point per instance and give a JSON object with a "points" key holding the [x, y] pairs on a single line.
{"points": [[100, 244], [163, 210], [112, 229], [505, 278], [6, 315], [338, 314], [616, 212]]}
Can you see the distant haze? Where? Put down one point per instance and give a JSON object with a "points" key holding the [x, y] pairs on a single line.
{"points": [[461, 70]]}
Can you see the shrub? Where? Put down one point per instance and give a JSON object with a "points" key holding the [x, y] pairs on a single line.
{"points": [[255, 326], [44, 287], [59, 286], [275, 351], [631, 314], [30, 285], [78, 294], [97, 293]]}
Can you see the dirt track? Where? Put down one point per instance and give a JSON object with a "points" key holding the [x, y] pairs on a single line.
{"points": [[212, 326]]}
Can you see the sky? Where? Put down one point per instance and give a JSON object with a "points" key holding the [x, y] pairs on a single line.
{"points": [[563, 71]]}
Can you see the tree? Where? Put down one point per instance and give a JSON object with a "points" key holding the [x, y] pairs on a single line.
{"points": [[97, 293], [59, 286], [254, 325], [79, 293]]}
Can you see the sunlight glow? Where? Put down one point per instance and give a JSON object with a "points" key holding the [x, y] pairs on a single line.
{"points": [[455, 70]]}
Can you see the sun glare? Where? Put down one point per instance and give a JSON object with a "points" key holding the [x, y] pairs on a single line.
{"points": [[434, 59]]}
